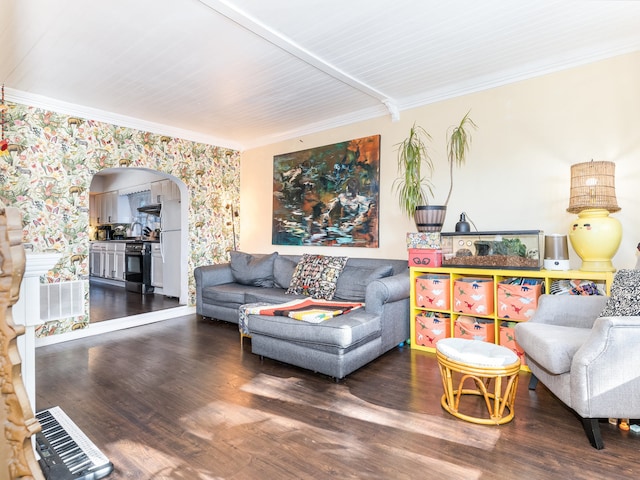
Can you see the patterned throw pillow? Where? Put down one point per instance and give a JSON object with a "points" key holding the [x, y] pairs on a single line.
{"points": [[625, 295], [316, 276]]}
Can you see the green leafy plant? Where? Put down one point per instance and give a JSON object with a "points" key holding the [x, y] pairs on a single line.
{"points": [[415, 167], [458, 145], [412, 185]]}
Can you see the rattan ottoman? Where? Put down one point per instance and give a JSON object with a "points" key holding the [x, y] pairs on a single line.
{"points": [[492, 369]]}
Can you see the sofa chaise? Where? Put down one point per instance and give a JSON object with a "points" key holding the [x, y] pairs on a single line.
{"points": [[334, 347]]}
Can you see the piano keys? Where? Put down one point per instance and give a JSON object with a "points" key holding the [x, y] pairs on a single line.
{"points": [[65, 452]]}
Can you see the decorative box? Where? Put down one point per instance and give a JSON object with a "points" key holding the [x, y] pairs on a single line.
{"points": [[432, 291], [423, 240], [425, 257], [473, 295], [474, 329], [518, 297], [508, 339], [522, 250], [431, 327]]}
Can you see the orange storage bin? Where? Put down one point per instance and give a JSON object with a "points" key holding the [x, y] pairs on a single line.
{"points": [[518, 301], [474, 329], [432, 291], [473, 296], [431, 327], [508, 339]]}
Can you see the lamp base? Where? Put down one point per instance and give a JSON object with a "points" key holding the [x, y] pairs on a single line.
{"points": [[595, 236], [597, 266]]}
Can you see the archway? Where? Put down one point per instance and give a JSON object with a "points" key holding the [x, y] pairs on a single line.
{"points": [[130, 183]]}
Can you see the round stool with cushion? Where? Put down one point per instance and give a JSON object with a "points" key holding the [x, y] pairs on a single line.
{"points": [[482, 362]]}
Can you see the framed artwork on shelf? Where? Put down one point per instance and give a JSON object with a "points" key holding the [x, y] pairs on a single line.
{"points": [[328, 196]]}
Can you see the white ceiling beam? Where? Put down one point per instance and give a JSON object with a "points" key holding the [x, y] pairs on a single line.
{"points": [[246, 21]]}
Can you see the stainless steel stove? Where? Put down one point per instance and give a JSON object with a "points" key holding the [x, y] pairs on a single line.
{"points": [[137, 272]]}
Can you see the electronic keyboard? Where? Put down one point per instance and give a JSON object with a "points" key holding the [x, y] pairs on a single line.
{"points": [[64, 452]]}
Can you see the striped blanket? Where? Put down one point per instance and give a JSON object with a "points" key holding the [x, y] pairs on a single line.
{"points": [[306, 309]]}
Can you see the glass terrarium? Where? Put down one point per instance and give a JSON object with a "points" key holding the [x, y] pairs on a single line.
{"points": [[521, 250]]}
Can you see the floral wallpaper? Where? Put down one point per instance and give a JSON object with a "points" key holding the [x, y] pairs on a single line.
{"points": [[47, 169]]}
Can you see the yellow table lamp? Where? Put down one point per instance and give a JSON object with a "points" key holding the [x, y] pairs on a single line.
{"points": [[594, 235]]}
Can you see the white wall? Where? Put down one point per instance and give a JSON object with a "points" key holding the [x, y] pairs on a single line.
{"points": [[518, 172]]}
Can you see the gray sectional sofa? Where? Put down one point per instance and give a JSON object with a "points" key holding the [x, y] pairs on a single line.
{"points": [[334, 347]]}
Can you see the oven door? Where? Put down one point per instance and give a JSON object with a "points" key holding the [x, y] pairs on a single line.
{"points": [[133, 268]]}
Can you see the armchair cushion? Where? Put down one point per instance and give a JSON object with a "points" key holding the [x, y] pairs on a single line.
{"points": [[625, 292], [551, 346]]}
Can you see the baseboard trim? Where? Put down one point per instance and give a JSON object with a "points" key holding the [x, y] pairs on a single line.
{"points": [[116, 324]]}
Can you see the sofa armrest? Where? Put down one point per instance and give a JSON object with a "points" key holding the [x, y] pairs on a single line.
{"points": [[388, 298], [209, 275], [569, 310], [604, 377], [386, 290]]}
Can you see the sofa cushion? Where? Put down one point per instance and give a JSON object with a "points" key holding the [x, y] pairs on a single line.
{"points": [[316, 276], [625, 295], [352, 282], [551, 346], [256, 270], [269, 295], [341, 331], [226, 293], [283, 269]]}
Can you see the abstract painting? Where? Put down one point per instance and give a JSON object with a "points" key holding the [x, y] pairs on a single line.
{"points": [[328, 196]]}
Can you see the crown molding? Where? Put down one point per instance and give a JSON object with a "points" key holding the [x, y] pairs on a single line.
{"points": [[74, 110]]}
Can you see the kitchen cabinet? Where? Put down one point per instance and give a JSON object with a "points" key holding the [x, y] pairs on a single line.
{"points": [[93, 210], [107, 260], [109, 207], [156, 265], [97, 253], [156, 192], [164, 190], [114, 261]]}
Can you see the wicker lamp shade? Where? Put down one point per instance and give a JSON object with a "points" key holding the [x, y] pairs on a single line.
{"points": [[593, 186]]}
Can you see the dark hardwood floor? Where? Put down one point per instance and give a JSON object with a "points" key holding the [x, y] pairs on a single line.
{"points": [[107, 302], [180, 399]]}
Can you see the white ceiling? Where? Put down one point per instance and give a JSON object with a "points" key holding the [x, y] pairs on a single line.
{"points": [[242, 73]]}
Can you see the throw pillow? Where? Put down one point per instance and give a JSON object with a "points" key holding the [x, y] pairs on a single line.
{"points": [[353, 281], [283, 269], [316, 276], [256, 270], [625, 295]]}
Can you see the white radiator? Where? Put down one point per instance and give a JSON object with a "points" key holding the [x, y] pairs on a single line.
{"points": [[61, 300]]}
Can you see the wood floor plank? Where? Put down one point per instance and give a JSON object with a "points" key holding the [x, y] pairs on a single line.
{"points": [[180, 399], [108, 302]]}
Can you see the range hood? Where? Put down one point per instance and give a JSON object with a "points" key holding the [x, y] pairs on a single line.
{"points": [[151, 209]]}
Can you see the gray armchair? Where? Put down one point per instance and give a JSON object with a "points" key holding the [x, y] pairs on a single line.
{"points": [[590, 363]]}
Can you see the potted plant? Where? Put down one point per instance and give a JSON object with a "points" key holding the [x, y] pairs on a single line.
{"points": [[415, 167]]}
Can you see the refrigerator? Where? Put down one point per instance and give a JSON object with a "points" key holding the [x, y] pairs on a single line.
{"points": [[170, 247]]}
